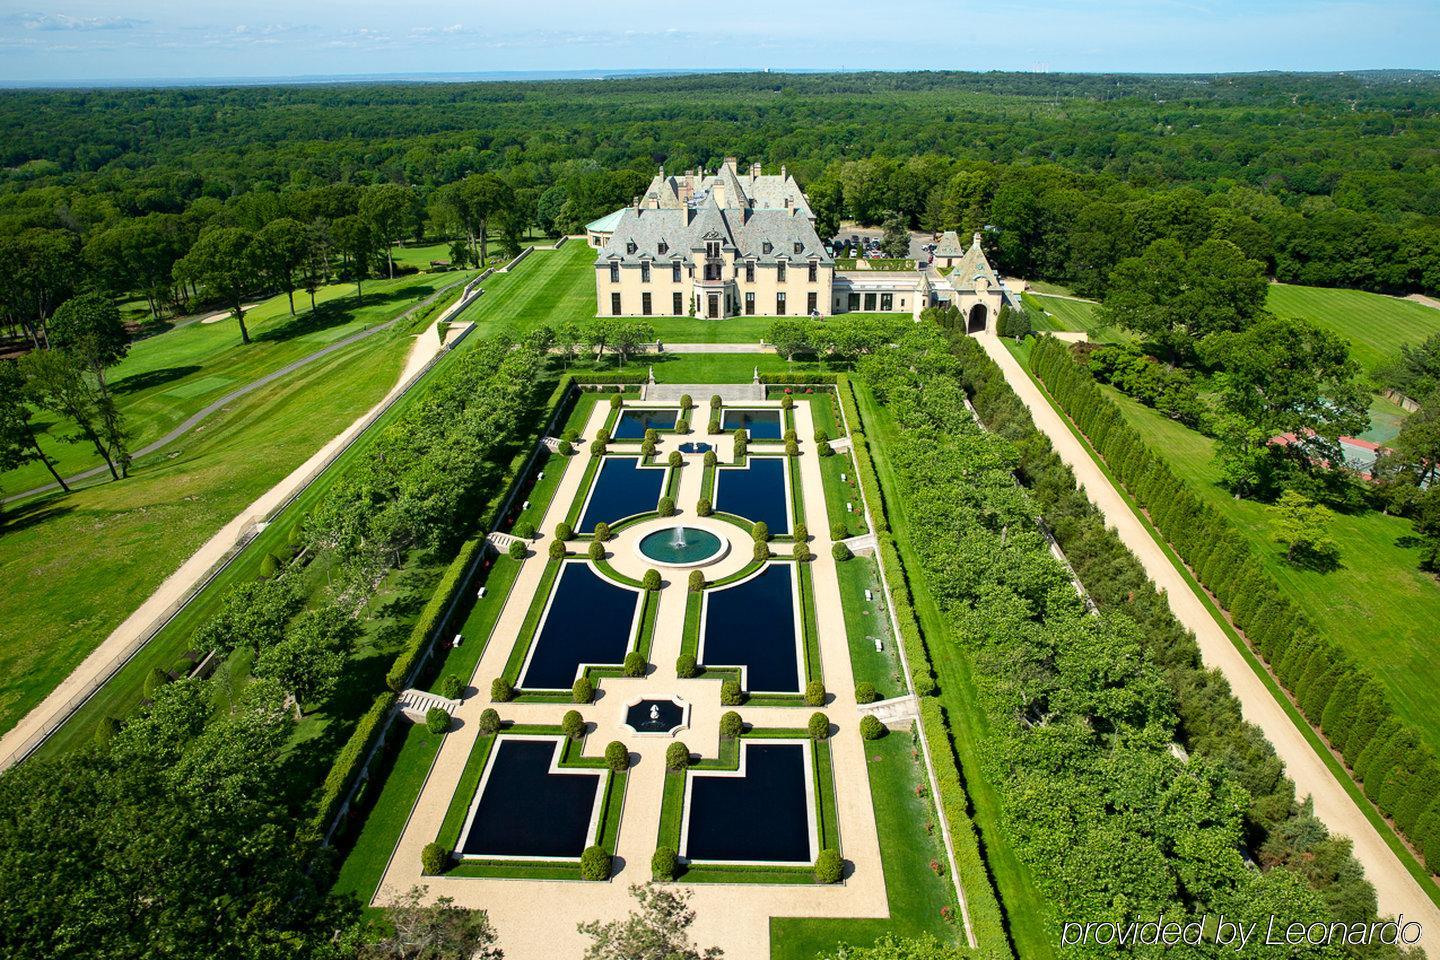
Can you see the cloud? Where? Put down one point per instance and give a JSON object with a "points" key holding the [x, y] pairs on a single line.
{"points": [[60, 21]]}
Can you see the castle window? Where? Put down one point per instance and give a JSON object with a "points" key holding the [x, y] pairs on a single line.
{"points": [[780, 303], [630, 246], [615, 304], [814, 271], [675, 271], [664, 247], [812, 302], [712, 249], [799, 248], [780, 273], [645, 303], [768, 247], [677, 305], [614, 273], [750, 272], [645, 272]]}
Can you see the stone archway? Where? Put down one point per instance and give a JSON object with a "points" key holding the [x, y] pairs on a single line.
{"points": [[977, 319]]}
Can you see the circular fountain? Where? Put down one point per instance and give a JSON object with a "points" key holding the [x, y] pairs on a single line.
{"points": [[657, 717], [695, 446], [682, 547]]}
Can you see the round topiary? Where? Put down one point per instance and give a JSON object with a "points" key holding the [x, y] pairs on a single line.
{"points": [[565, 448], [597, 448], [713, 426], [838, 530], [821, 435], [819, 726], [516, 550], [762, 551], [703, 508], [714, 401], [489, 723], [740, 434], [602, 531], [651, 580], [451, 686], [635, 664], [596, 551], [437, 720], [662, 864], [155, 681], [686, 401], [105, 731], [570, 434], [675, 459], [815, 693], [924, 685], [710, 459], [525, 530], [824, 449], [647, 448], [434, 859], [801, 552], [602, 434], [682, 425], [730, 693], [685, 666], [677, 756], [667, 504], [786, 402], [583, 690], [761, 531], [616, 402], [573, 724], [563, 531], [594, 864], [792, 449], [557, 549], [501, 690], [652, 436], [790, 435], [269, 566], [730, 725], [617, 758], [840, 552], [865, 692], [801, 533], [697, 581], [828, 866], [871, 728]]}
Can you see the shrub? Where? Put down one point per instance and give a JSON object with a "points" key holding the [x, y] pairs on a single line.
{"points": [[713, 426], [489, 723], [596, 551], [155, 681], [105, 731], [924, 685], [865, 692], [662, 864], [871, 728], [652, 436], [617, 758], [502, 690], [451, 686], [602, 531], [525, 530], [761, 531], [667, 504], [801, 552], [563, 531], [828, 866], [675, 459], [710, 458], [790, 436], [697, 581], [573, 724], [819, 726], [516, 550], [838, 530], [570, 434], [762, 551], [840, 552], [792, 449], [786, 402], [821, 435], [647, 448], [801, 532], [703, 508], [824, 449], [557, 549], [616, 402], [686, 401], [269, 567], [677, 756], [635, 664], [434, 859], [714, 401], [682, 425], [685, 666], [742, 446], [594, 864], [583, 690], [731, 725], [597, 448], [651, 580], [602, 434], [815, 693], [731, 694], [565, 448], [437, 720]]}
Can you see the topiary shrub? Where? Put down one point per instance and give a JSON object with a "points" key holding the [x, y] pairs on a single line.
{"points": [[840, 552], [697, 581], [924, 685], [801, 532], [525, 530], [105, 731], [616, 402], [269, 567], [602, 531], [821, 435], [731, 725], [489, 723], [563, 531], [710, 459], [677, 756], [871, 728], [819, 726], [762, 551], [617, 758], [823, 449], [686, 401], [596, 551], [502, 690], [565, 448], [583, 690], [602, 434], [594, 864], [651, 580], [815, 693], [682, 425], [652, 436], [787, 402], [801, 552], [713, 427], [730, 694], [792, 449], [828, 866], [451, 686], [434, 859], [714, 401], [838, 530], [647, 448], [557, 549], [865, 692], [516, 550], [667, 504], [662, 864], [155, 680], [685, 666], [437, 720], [790, 435], [742, 446], [635, 664], [760, 532], [675, 459], [573, 724], [597, 448], [703, 508]]}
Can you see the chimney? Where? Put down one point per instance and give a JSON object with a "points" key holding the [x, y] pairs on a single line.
{"points": [[977, 238], [793, 211], [755, 169], [733, 164], [718, 192], [662, 171], [782, 171]]}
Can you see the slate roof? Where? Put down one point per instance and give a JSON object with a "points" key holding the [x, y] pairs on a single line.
{"points": [[745, 232], [973, 266], [949, 245], [765, 192]]}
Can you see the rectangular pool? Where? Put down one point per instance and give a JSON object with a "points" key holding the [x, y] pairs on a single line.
{"points": [[622, 488], [635, 421], [762, 424], [761, 813], [757, 491], [524, 809], [752, 625], [587, 620]]}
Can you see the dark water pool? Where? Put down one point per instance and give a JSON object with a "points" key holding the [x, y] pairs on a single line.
{"points": [[752, 625], [527, 811], [589, 621], [633, 423], [622, 488], [760, 816], [755, 492], [655, 716], [694, 446], [762, 424]]}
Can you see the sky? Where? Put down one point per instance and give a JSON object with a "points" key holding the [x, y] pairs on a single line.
{"points": [[166, 40]]}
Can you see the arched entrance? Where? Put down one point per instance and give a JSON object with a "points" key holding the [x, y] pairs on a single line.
{"points": [[978, 315]]}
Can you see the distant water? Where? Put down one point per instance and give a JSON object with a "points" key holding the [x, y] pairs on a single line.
{"points": [[493, 76]]}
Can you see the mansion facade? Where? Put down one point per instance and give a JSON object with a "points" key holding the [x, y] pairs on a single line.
{"points": [[735, 243]]}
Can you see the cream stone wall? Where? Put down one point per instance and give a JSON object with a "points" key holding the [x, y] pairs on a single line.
{"points": [[797, 285]]}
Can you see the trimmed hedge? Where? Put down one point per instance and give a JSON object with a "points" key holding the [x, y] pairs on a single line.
{"points": [[431, 617], [346, 767]]}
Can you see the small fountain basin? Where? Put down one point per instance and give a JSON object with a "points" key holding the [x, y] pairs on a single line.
{"points": [[657, 717], [681, 546], [695, 446]]}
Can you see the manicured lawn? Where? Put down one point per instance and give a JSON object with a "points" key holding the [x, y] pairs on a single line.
{"points": [[866, 621], [548, 288], [1386, 418], [1378, 605], [710, 367], [1375, 325]]}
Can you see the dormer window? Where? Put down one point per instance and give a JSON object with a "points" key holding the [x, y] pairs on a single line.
{"points": [[799, 248], [664, 247], [768, 247], [712, 249], [630, 246]]}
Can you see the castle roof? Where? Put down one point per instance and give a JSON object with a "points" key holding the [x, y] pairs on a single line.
{"points": [[765, 236]]}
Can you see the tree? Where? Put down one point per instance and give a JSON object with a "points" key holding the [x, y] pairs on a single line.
{"points": [[471, 203], [888, 947], [223, 261], [388, 208], [18, 443], [357, 243], [56, 381], [315, 265], [310, 658], [658, 929], [628, 338], [410, 929], [895, 244], [1414, 454], [38, 269], [568, 340], [89, 328], [790, 335], [282, 248], [1303, 528]]}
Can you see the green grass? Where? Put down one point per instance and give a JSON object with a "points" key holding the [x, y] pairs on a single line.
{"points": [[866, 620], [875, 263], [120, 540], [840, 492], [711, 367], [1378, 605], [1057, 314], [1044, 286], [1374, 325], [548, 288]]}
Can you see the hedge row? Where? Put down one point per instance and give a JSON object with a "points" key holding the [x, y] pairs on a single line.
{"points": [[628, 379], [981, 901], [1396, 770], [346, 767], [799, 378], [431, 617]]}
